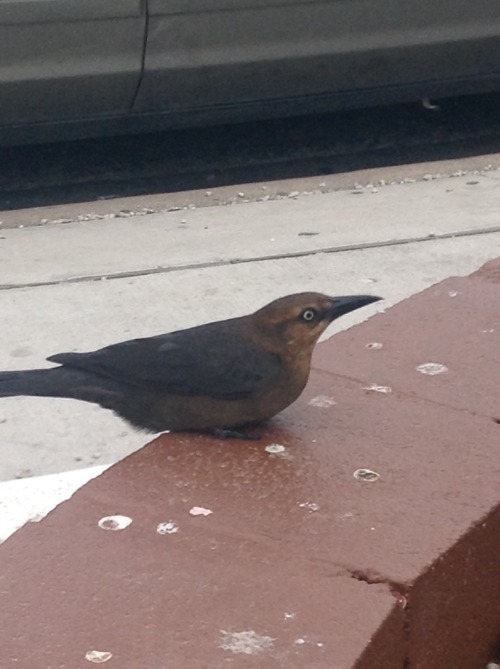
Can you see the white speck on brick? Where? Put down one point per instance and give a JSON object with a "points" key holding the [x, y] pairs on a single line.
{"points": [[432, 368], [312, 506], [200, 511], [322, 401], [366, 475], [374, 388], [247, 642], [98, 656], [300, 642], [453, 293], [114, 523], [376, 345], [289, 616], [167, 528], [275, 449]]}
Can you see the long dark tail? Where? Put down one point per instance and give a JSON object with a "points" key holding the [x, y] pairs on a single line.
{"points": [[60, 382]]}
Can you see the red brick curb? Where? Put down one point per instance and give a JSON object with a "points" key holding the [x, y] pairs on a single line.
{"points": [[300, 564]]}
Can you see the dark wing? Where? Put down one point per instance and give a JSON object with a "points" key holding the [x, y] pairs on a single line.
{"points": [[206, 360]]}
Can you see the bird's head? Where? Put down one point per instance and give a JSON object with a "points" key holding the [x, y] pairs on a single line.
{"points": [[299, 320]]}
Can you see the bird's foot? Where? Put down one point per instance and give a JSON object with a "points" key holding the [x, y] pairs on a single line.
{"points": [[222, 433]]}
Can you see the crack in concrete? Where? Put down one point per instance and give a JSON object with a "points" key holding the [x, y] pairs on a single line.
{"points": [[400, 595], [253, 259], [371, 577]]}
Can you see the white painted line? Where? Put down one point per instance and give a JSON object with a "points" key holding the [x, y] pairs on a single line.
{"points": [[30, 499]]}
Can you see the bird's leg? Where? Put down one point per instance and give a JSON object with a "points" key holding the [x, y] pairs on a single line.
{"points": [[222, 433]]}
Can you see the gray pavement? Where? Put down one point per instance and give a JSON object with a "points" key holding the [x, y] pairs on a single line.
{"points": [[79, 286]]}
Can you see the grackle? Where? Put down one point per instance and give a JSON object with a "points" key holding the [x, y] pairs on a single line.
{"points": [[216, 376]]}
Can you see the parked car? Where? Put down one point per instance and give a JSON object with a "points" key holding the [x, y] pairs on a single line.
{"points": [[80, 68]]}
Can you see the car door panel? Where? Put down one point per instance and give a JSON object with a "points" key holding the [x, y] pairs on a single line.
{"points": [[218, 52], [69, 59]]}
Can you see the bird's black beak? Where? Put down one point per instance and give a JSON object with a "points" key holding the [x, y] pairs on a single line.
{"points": [[343, 305]]}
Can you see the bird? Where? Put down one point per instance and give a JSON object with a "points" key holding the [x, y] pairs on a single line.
{"points": [[218, 377]]}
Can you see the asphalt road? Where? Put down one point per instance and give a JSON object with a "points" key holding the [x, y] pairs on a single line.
{"points": [[206, 158]]}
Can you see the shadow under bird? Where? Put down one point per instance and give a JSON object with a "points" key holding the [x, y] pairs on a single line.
{"points": [[215, 377]]}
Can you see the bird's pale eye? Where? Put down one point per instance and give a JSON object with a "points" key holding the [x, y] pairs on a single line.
{"points": [[308, 315]]}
